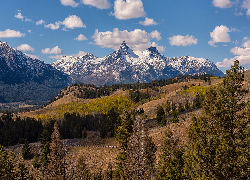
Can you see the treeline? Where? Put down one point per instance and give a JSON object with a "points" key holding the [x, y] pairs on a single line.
{"points": [[90, 91]]}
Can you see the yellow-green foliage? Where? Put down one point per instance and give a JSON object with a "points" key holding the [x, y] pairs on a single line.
{"points": [[192, 90], [102, 105]]}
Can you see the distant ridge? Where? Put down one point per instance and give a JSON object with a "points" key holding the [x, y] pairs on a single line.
{"points": [[124, 66]]}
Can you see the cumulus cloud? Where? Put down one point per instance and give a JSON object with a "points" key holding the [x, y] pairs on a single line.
{"points": [[148, 22], [11, 34], [155, 34], [128, 9], [54, 50], [100, 4], [222, 3], [69, 3], [40, 22], [32, 56], [182, 40], [29, 31], [219, 34], [53, 26], [81, 37], [160, 48], [72, 22], [25, 47], [242, 54], [138, 40], [19, 15], [246, 5]]}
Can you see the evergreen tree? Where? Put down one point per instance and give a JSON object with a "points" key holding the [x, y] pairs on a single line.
{"points": [[168, 108], [220, 139], [122, 134], [44, 157], [35, 162], [175, 116], [84, 133], [56, 165], [140, 162], [26, 150], [22, 172], [171, 163], [7, 164], [160, 114]]}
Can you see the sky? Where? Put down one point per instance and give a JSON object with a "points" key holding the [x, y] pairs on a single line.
{"points": [[218, 30]]}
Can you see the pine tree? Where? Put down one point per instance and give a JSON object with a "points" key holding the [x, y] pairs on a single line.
{"points": [[168, 108], [56, 165], [175, 116], [160, 114], [22, 172], [35, 162], [26, 150], [171, 163], [7, 164], [44, 157], [219, 145], [140, 162]]}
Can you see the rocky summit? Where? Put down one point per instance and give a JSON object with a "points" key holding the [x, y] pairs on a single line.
{"points": [[124, 66]]}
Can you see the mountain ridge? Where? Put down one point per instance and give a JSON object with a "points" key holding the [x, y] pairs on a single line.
{"points": [[124, 66]]}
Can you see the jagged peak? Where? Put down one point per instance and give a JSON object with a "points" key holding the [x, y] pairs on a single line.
{"points": [[153, 50]]}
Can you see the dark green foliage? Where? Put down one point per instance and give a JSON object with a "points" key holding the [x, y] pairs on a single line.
{"points": [[44, 156], [181, 108], [187, 105], [7, 164], [197, 101], [219, 138], [171, 163], [175, 116], [16, 131], [84, 133], [168, 108], [137, 95], [160, 114], [22, 172], [140, 162], [56, 164], [26, 150], [35, 162]]}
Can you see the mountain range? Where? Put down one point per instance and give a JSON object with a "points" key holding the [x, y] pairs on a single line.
{"points": [[18, 71], [124, 66]]}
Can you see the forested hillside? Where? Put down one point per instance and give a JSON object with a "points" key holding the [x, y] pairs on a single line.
{"points": [[190, 128]]}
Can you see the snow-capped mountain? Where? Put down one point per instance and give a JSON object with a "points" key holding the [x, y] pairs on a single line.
{"points": [[124, 66], [17, 68]]}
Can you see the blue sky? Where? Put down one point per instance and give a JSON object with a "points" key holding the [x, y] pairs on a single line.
{"points": [[218, 30]]}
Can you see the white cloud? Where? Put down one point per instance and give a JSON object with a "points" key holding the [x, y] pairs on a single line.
{"points": [[182, 40], [155, 34], [70, 22], [11, 34], [29, 31], [138, 40], [54, 50], [246, 5], [69, 3], [100, 4], [148, 22], [222, 3], [19, 15], [27, 19], [56, 57], [25, 47], [160, 48], [219, 34], [242, 54], [32, 56], [81, 37], [128, 9], [225, 63], [80, 53], [40, 22], [53, 26]]}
